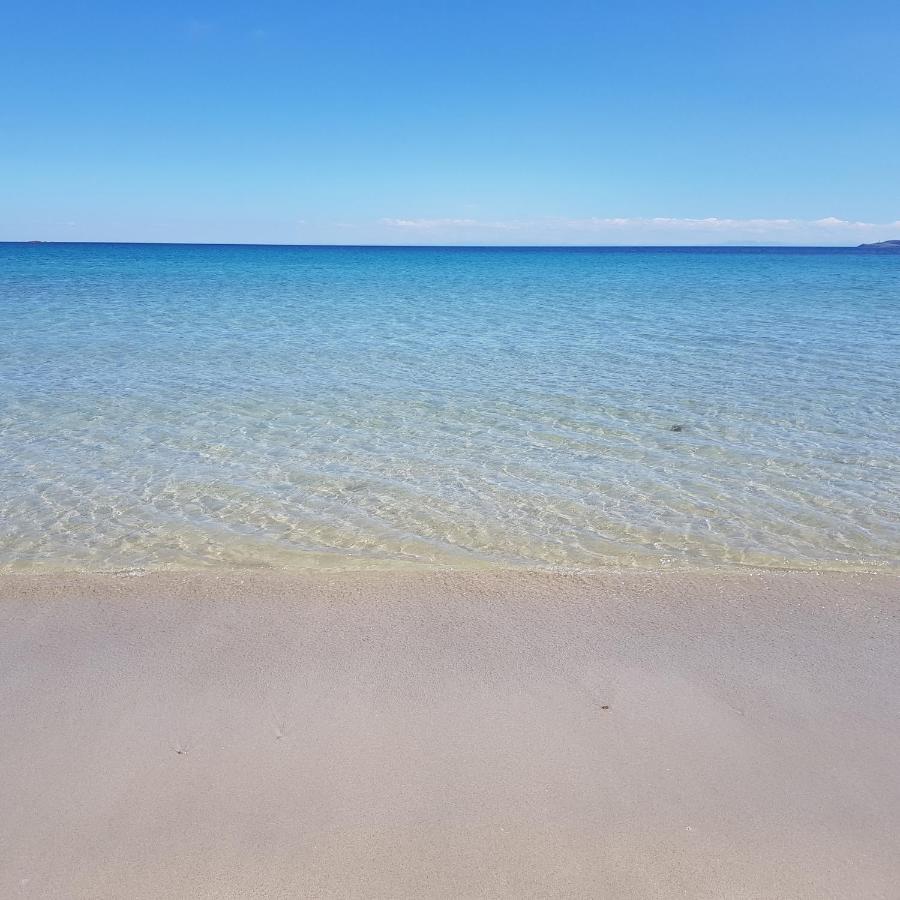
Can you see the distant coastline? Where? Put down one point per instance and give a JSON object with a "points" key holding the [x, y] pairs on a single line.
{"points": [[881, 245]]}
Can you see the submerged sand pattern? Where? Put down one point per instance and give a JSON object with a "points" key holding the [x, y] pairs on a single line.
{"points": [[171, 407]]}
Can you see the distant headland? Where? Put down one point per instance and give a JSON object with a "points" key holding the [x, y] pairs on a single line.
{"points": [[881, 245]]}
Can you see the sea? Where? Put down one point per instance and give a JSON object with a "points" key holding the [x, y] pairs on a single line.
{"points": [[177, 407]]}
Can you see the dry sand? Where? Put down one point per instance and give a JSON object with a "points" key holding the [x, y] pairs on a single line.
{"points": [[630, 734]]}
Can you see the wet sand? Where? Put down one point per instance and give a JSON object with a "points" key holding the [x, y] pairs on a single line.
{"points": [[626, 734]]}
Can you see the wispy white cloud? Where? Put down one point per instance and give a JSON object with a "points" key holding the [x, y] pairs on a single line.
{"points": [[647, 229], [431, 224]]}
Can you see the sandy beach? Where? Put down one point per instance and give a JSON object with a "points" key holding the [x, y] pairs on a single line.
{"points": [[625, 734]]}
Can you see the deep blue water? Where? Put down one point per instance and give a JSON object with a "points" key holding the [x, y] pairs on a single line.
{"points": [[178, 406]]}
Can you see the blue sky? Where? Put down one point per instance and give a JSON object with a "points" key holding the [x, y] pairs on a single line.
{"points": [[462, 122]]}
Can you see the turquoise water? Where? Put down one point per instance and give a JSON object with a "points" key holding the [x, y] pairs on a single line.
{"points": [[193, 406]]}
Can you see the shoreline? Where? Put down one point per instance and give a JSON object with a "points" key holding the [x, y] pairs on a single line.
{"points": [[626, 733], [403, 568]]}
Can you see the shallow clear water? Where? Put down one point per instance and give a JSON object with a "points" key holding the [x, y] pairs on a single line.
{"points": [[181, 406]]}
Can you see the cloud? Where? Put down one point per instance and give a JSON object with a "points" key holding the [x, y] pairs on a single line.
{"points": [[645, 229], [431, 224]]}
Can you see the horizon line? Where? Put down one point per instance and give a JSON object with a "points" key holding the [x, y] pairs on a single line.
{"points": [[726, 246]]}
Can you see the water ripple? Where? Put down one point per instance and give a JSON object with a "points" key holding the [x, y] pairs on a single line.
{"points": [[169, 407]]}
